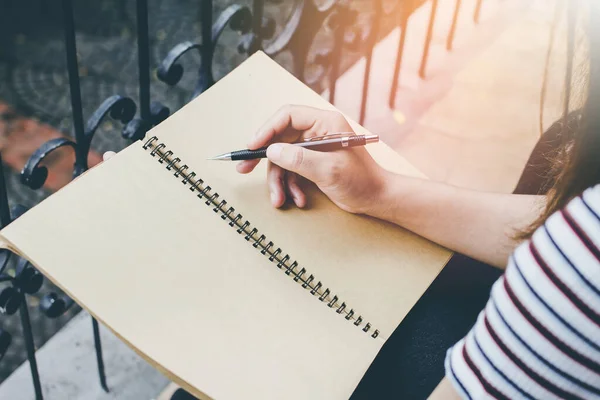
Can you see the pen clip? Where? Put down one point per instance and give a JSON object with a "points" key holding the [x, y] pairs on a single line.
{"points": [[330, 136]]}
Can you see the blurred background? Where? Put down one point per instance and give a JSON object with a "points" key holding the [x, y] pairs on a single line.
{"points": [[478, 82]]}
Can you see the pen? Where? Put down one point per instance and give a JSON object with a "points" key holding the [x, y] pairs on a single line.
{"points": [[338, 141]]}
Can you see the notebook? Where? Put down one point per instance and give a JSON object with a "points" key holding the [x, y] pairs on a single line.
{"points": [[189, 264]]}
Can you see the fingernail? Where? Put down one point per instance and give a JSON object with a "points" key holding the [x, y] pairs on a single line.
{"points": [[274, 151], [273, 198]]}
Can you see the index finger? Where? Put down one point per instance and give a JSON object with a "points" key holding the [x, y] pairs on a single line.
{"points": [[287, 125]]}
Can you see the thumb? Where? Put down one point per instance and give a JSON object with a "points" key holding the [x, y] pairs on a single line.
{"points": [[307, 163]]}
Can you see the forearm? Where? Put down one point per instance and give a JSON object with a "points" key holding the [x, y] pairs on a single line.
{"points": [[444, 391], [478, 224]]}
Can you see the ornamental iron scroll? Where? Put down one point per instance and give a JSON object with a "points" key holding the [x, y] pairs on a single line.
{"points": [[257, 31], [23, 279], [249, 23], [239, 18], [151, 113]]}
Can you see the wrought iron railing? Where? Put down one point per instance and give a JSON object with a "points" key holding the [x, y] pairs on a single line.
{"points": [[256, 33]]}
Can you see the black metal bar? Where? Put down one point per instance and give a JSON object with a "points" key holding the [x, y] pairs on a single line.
{"points": [[477, 12], [258, 10], [123, 10], [99, 358], [207, 39], [143, 44], [4, 207], [206, 51], [404, 14], [73, 69], [258, 7], [81, 151], [372, 41], [434, 6], [30, 347], [450, 38]]}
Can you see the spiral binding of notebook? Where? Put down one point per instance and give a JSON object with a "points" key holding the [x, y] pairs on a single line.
{"points": [[252, 234]]}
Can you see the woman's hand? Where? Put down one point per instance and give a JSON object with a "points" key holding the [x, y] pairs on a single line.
{"points": [[350, 178]]}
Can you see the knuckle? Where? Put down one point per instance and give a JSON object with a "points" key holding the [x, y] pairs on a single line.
{"points": [[318, 128], [340, 119], [281, 114], [335, 121], [285, 109], [335, 172]]}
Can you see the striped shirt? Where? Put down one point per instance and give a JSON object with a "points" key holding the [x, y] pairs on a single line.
{"points": [[539, 334]]}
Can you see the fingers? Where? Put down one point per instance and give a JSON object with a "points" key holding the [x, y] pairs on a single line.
{"points": [[275, 181], [291, 121], [246, 166], [281, 183], [312, 165], [291, 183], [289, 124], [108, 155]]}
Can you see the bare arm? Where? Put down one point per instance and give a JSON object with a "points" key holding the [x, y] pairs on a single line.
{"points": [[444, 391], [478, 224]]}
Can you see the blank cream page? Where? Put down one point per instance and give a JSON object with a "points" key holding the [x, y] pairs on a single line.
{"points": [[143, 254], [378, 269]]}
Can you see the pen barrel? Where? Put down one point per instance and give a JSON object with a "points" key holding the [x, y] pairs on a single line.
{"points": [[357, 141], [318, 145], [334, 144], [249, 154]]}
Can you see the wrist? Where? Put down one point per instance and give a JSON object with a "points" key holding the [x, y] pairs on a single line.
{"points": [[385, 197]]}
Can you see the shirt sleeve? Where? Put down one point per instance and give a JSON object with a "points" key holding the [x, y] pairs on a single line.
{"points": [[539, 334]]}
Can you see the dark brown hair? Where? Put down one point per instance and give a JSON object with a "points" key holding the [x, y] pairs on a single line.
{"points": [[577, 162]]}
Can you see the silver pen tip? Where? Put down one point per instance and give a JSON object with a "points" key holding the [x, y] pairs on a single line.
{"points": [[221, 157]]}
